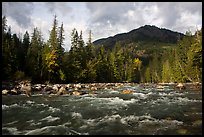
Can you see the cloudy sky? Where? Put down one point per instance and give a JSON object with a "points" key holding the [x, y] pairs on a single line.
{"points": [[104, 19]]}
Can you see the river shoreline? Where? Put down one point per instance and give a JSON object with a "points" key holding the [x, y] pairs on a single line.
{"points": [[16, 88]]}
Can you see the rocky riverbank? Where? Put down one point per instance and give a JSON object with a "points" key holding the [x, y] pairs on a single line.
{"points": [[25, 87]]}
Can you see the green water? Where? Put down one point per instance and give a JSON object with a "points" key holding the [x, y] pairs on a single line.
{"points": [[147, 111]]}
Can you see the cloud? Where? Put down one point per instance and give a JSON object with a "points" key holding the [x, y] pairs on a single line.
{"points": [[18, 11], [112, 11], [113, 18], [106, 16], [104, 19], [172, 12], [58, 8]]}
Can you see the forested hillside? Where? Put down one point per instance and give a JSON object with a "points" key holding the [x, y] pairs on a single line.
{"points": [[145, 33], [148, 54]]}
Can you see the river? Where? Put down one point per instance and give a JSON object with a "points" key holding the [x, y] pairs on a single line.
{"points": [[146, 111]]}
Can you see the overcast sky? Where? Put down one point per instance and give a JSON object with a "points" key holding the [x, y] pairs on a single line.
{"points": [[104, 19]]}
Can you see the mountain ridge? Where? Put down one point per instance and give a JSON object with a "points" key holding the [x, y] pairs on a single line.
{"points": [[146, 33]]}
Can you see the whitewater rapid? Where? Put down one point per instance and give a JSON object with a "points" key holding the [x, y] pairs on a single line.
{"points": [[146, 111]]}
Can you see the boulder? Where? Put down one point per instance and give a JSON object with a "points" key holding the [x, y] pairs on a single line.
{"points": [[61, 91], [197, 85], [77, 85], [5, 92], [127, 91], [86, 86], [55, 87], [26, 87], [52, 92], [93, 88], [37, 87], [76, 93], [180, 86], [14, 92], [47, 88], [68, 85], [160, 87]]}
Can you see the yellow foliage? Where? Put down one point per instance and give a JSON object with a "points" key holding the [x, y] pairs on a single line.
{"points": [[137, 63], [51, 60]]}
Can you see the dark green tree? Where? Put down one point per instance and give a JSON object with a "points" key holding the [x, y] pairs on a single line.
{"points": [[53, 39], [34, 56]]}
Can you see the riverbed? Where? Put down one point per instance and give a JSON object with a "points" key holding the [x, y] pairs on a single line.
{"points": [[147, 110]]}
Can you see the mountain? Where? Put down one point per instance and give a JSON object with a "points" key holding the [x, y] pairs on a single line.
{"points": [[145, 33]]}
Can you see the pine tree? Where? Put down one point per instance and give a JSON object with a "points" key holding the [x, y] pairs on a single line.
{"points": [[53, 39], [178, 75], [194, 54], [61, 38], [166, 72], [44, 71], [34, 57], [102, 67], [119, 61], [4, 25], [74, 42], [81, 51], [148, 77], [114, 74], [24, 50], [6, 49], [60, 49]]}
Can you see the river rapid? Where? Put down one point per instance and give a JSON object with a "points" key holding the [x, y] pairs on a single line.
{"points": [[146, 111]]}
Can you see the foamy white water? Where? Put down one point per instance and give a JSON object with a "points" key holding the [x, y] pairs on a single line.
{"points": [[145, 111]]}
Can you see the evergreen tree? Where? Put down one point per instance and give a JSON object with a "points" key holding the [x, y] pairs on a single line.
{"points": [[4, 25], [166, 72], [194, 55], [44, 71], [148, 77], [24, 50], [61, 39], [6, 49], [34, 57], [81, 51], [102, 67], [60, 48], [53, 39], [74, 42], [55, 55]]}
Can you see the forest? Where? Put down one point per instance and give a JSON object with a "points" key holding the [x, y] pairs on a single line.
{"points": [[31, 57]]}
